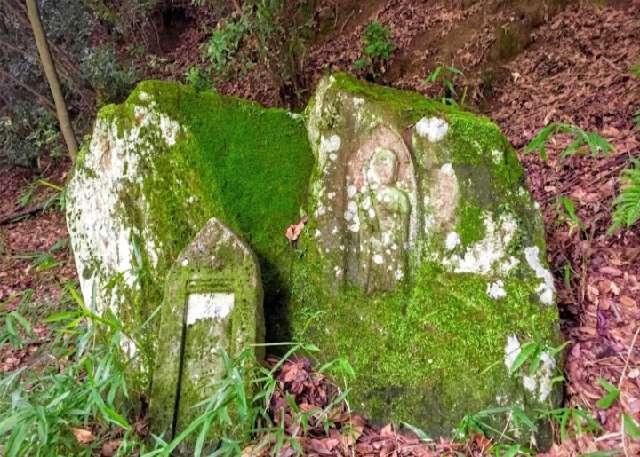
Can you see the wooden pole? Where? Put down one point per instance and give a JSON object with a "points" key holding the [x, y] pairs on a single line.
{"points": [[52, 78]]}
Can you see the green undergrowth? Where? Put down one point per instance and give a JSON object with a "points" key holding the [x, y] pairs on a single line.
{"points": [[81, 387], [81, 390]]}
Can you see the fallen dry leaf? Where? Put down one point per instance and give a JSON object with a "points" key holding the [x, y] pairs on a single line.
{"points": [[83, 436], [110, 448]]}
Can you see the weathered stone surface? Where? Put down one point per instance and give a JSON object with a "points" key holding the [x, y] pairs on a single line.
{"points": [[424, 259], [212, 303]]}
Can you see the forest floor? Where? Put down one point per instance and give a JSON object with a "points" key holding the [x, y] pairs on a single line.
{"points": [[570, 64]]}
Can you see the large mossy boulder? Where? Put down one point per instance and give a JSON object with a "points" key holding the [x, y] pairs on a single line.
{"points": [[158, 167], [424, 260]]}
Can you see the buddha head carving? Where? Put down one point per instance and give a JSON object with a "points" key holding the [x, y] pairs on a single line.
{"points": [[382, 168]]}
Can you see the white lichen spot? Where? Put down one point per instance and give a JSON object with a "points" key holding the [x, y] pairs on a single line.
{"points": [[482, 255], [433, 128], [318, 233], [429, 223], [328, 146], [184, 262], [351, 190], [128, 346], [378, 259], [355, 227], [511, 351], [496, 290], [216, 306], [447, 169], [399, 275], [366, 203], [451, 241], [546, 289], [545, 376], [496, 156], [358, 102]]}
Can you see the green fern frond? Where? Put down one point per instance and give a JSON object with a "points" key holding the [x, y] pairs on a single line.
{"points": [[581, 138], [627, 204]]}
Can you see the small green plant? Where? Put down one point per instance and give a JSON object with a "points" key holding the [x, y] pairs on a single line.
{"points": [[567, 214], [581, 140], [111, 80], [511, 450], [26, 133], [612, 393], [224, 43], [567, 274], [44, 260], [58, 199], [39, 410], [572, 422], [27, 193], [378, 48], [198, 79], [15, 326], [447, 76], [483, 423], [531, 353], [627, 204]]}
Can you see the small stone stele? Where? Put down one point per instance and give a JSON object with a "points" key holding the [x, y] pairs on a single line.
{"points": [[212, 303]]}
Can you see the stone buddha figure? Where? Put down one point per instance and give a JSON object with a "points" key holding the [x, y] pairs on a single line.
{"points": [[384, 211]]}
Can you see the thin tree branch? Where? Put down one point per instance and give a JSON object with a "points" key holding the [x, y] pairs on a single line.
{"points": [[42, 100], [52, 78]]}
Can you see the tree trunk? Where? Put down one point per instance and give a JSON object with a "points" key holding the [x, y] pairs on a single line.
{"points": [[52, 78]]}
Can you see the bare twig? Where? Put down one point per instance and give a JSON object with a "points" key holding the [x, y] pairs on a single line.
{"points": [[22, 213]]}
